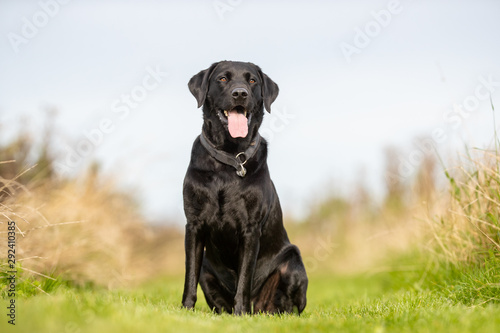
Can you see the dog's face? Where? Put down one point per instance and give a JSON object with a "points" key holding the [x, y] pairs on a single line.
{"points": [[233, 95]]}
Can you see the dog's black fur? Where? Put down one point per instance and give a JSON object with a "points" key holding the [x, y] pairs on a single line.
{"points": [[236, 245]]}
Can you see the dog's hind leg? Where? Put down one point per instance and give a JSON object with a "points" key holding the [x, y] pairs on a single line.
{"points": [[293, 286], [285, 288]]}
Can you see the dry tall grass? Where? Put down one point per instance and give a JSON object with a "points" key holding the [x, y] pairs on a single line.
{"points": [[85, 231], [468, 232], [81, 229]]}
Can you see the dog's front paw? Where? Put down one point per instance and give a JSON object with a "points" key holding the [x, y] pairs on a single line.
{"points": [[240, 309], [189, 302]]}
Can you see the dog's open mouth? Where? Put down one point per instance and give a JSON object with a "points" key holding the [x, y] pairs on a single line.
{"points": [[236, 120]]}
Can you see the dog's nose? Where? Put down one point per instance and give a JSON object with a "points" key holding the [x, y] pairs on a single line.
{"points": [[239, 93]]}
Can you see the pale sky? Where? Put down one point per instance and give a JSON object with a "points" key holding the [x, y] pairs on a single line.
{"points": [[354, 78]]}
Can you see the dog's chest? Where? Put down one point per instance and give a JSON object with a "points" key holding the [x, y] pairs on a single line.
{"points": [[229, 209], [223, 204]]}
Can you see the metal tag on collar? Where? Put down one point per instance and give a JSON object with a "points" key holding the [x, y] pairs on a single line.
{"points": [[242, 172]]}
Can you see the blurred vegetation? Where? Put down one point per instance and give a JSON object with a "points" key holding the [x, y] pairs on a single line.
{"points": [[27, 160], [440, 225]]}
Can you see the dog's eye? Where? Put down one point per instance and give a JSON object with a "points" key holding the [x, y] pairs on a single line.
{"points": [[252, 81], [223, 79]]}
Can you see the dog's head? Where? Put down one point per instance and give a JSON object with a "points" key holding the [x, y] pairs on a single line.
{"points": [[233, 95]]}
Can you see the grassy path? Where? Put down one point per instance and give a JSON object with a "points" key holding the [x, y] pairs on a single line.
{"points": [[335, 304]]}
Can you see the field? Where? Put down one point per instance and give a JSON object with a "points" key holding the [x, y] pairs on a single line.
{"points": [[379, 303], [425, 259]]}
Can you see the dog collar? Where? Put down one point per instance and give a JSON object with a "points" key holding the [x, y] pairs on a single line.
{"points": [[237, 161]]}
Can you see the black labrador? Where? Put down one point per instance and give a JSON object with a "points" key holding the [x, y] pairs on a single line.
{"points": [[236, 245]]}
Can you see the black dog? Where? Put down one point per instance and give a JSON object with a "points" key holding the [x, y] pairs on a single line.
{"points": [[236, 245]]}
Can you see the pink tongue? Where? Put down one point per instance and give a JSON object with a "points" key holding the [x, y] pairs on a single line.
{"points": [[237, 124]]}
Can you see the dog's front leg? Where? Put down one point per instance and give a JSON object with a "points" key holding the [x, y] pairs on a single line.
{"points": [[194, 246], [247, 261]]}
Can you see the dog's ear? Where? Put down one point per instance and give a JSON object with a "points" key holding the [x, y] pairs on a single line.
{"points": [[198, 85], [270, 91]]}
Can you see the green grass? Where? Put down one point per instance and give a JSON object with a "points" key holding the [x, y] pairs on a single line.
{"points": [[471, 286], [379, 303]]}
